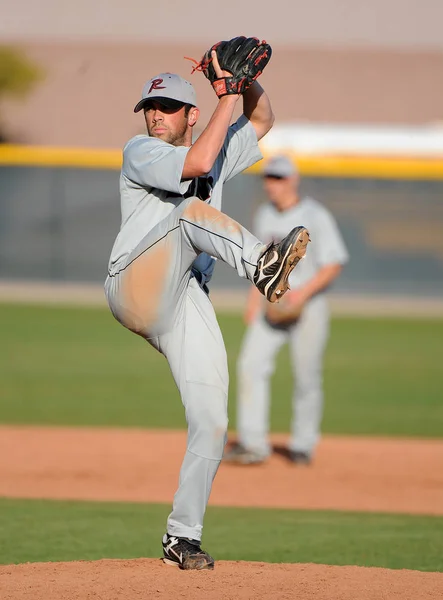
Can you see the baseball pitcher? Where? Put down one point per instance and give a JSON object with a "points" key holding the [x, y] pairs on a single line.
{"points": [[172, 231]]}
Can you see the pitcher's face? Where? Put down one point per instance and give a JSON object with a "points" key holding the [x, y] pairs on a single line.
{"points": [[172, 125]]}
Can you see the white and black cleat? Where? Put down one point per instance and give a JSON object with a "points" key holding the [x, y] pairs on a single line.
{"points": [[277, 261], [185, 553]]}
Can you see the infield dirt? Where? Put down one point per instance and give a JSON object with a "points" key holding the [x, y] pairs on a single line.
{"points": [[350, 473]]}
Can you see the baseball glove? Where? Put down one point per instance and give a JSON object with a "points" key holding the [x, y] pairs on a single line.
{"points": [[283, 313], [245, 58]]}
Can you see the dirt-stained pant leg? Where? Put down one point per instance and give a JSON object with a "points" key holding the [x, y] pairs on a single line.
{"points": [[154, 296], [147, 293]]}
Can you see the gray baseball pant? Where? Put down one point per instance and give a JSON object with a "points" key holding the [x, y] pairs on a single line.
{"points": [[153, 295], [307, 340]]}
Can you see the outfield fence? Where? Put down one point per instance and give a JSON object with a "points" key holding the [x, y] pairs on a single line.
{"points": [[59, 214]]}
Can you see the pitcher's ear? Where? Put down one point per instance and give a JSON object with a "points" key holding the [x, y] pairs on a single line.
{"points": [[193, 116]]}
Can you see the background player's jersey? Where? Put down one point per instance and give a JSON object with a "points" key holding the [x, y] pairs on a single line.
{"points": [[151, 185], [326, 247]]}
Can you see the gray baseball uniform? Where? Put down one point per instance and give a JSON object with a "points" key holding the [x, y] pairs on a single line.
{"points": [[307, 337], [166, 230]]}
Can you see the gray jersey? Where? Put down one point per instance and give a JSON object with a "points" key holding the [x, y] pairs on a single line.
{"points": [[151, 182], [326, 247]]}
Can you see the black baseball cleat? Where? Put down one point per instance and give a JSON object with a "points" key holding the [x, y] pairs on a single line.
{"points": [[185, 553], [277, 261]]}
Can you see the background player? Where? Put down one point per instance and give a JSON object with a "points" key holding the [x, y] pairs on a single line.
{"points": [[171, 191], [302, 319]]}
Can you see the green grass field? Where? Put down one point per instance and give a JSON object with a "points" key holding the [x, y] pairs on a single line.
{"points": [[77, 366], [32, 530]]}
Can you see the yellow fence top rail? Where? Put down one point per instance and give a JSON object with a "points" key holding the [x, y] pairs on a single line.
{"points": [[48, 156], [314, 166]]}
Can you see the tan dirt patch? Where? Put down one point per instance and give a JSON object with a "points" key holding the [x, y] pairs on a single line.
{"points": [[150, 578], [350, 473]]}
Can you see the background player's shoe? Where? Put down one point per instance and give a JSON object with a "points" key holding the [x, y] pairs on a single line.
{"points": [[185, 553], [240, 455], [277, 261], [300, 458]]}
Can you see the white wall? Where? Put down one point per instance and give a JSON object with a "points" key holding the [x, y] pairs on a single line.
{"points": [[358, 140]]}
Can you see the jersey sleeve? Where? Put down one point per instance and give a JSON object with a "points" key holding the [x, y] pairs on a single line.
{"points": [[150, 162], [240, 149], [330, 246]]}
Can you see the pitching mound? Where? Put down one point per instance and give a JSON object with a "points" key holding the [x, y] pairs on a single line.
{"points": [[150, 578]]}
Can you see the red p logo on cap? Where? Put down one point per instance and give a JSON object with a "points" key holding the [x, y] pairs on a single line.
{"points": [[155, 85]]}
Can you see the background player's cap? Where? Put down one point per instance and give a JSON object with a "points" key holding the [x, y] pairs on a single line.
{"points": [[279, 166], [168, 89]]}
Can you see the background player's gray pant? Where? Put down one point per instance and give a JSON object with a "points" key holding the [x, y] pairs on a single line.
{"points": [[307, 339], [153, 295]]}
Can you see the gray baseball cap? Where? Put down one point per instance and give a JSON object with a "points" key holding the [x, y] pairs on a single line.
{"points": [[168, 89], [279, 166]]}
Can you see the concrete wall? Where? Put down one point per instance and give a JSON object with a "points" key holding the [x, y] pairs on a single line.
{"points": [[90, 89]]}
